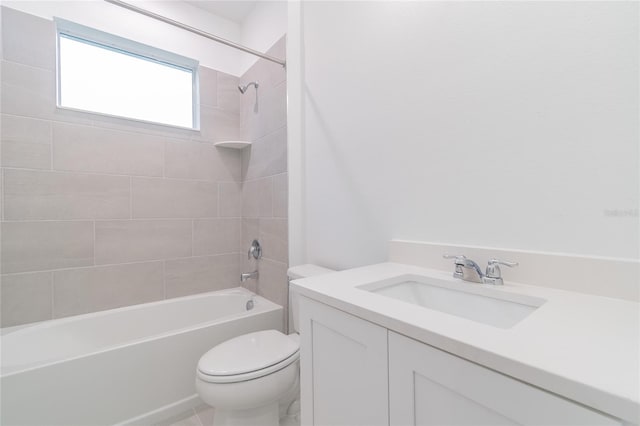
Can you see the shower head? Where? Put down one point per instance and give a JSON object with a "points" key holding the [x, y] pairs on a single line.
{"points": [[244, 88]]}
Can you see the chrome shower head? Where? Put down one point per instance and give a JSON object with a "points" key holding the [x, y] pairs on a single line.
{"points": [[244, 88]]}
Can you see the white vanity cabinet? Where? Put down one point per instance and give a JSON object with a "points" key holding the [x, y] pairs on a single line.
{"points": [[430, 387], [343, 368], [354, 372]]}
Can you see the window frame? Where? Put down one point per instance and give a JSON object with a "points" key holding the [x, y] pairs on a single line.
{"points": [[91, 36]]}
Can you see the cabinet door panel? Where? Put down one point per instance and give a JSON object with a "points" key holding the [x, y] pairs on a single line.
{"points": [[430, 387], [343, 368], [439, 405]]}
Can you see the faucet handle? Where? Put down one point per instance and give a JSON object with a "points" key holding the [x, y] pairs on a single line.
{"points": [[457, 257], [493, 274], [495, 262], [255, 250], [459, 262]]}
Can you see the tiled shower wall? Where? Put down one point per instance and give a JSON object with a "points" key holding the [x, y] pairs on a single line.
{"points": [[103, 212], [264, 170]]}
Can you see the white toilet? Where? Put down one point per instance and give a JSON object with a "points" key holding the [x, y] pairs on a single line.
{"points": [[253, 379]]}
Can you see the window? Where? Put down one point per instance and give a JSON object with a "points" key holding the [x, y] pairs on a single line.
{"points": [[106, 74]]}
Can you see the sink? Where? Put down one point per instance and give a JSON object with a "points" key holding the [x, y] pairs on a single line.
{"points": [[474, 302]]}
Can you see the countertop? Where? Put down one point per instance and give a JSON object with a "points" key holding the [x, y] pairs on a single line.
{"points": [[583, 347]]}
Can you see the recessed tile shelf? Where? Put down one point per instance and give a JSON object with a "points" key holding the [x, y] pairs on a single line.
{"points": [[233, 144]]}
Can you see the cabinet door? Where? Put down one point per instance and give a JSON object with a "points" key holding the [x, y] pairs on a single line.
{"points": [[343, 368], [430, 387]]}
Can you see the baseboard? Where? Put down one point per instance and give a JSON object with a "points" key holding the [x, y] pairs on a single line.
{"points": [[157, 417]]}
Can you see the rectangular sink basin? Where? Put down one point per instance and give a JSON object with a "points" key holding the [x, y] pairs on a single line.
{"points": [[466, 300]]}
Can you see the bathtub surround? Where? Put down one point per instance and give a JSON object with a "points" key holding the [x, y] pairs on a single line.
{"points": [[103, 212], [264, 172]]}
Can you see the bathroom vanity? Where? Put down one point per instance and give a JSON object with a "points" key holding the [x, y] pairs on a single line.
{"points": [[393, 344]]}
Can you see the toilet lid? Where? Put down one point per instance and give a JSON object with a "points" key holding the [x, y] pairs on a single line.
{"points": [[247, 353]]}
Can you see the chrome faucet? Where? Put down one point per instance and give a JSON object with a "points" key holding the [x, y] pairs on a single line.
{"points": [[468, 270], [494, 274], [465, 269], [255, 251], [248, 275]]}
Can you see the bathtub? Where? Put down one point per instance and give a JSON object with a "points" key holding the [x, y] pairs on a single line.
{"points": [[133, 365]]}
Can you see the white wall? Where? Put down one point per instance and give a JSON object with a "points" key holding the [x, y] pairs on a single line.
{"points": [[116, 20], [500, 124], [265, 25]]}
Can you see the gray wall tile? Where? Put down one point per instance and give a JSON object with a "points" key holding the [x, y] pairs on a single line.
{"points": [[277, 74], [280, 195], [120, 241], [250, 232], [25, 298], [230, 199], [171, 198], [276, 108], [273, 281], [257, 198], [38, 246], [32, 195], [208, 86], [78, 291], [93, 149], [216, 236], [274, 239], [27, 39], [26, 142], [267, 156], [201, 160], [201, 274], [228, 93], [265, 186], [71, 188], [218, 124], [27, 91]]}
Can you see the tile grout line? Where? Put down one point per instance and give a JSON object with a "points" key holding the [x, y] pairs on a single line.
{"points": [[109, 174], [121, 219], [105, 265]]}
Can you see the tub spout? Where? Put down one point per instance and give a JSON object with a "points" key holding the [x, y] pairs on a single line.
{"points": [[248, 275]]}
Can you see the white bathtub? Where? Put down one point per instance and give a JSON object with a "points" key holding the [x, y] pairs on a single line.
{"points": [[133, 365]]}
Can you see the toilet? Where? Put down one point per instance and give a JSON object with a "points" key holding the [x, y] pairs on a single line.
{"points": [[254, 379]]}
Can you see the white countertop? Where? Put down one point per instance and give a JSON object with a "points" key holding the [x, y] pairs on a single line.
{"points": [[585, 348]]}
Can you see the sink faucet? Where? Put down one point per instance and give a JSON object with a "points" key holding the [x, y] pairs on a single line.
{"points": [[465, 269], [468, 270], [248, 275]]}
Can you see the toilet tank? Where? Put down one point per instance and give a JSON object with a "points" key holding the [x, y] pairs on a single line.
{"points": [[298, 272]]}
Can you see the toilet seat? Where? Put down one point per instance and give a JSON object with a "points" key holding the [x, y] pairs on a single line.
{"points": [[248, 357]]}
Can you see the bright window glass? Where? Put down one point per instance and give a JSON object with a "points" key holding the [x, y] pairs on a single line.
{"points": [[109, 80]]}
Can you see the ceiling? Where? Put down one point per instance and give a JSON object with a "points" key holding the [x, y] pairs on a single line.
{"points": [[235, 11]]}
